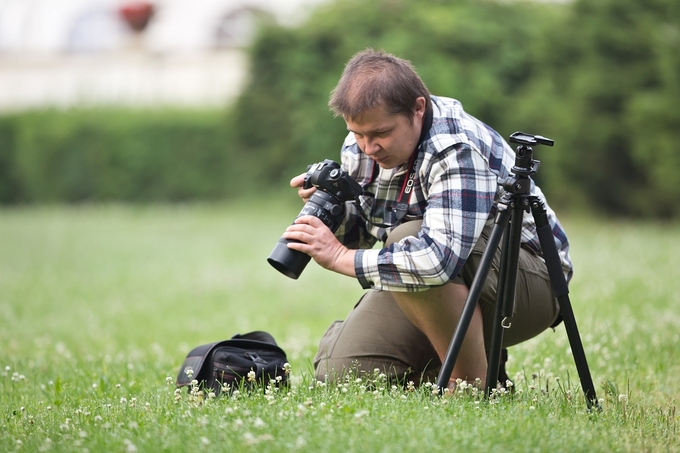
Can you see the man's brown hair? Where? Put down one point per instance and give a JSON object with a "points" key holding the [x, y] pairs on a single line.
{"points": [[376, 78]]}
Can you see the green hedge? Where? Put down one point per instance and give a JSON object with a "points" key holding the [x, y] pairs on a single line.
{"points": [[100, 155]]}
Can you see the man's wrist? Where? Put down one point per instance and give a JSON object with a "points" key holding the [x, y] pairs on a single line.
{"points": [[345, 263]]}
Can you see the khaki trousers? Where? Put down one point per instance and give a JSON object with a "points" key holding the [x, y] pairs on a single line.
{"points": [[377, 335]]}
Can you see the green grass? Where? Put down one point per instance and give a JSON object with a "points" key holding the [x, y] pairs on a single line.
{"points": [[100, 304]]}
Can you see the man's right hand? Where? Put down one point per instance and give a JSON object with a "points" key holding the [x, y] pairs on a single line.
{"points": [[303, 193]]}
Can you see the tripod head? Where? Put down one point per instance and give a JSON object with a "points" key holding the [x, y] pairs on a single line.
{"points": [[525, 164], [528, 139]]}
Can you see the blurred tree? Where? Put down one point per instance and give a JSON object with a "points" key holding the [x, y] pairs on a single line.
{"points": [[614, 71], [481, 52]]}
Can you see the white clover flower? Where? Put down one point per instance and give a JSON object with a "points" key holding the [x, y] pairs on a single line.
{"points": [[189, 372], [623, 398], [168, 380], [286, 368], [123, 400], [129, 446], [361, 413], [251, 376], [249, 439]]}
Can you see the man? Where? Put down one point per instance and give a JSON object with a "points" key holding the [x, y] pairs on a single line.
{"points": [[430, 174]]}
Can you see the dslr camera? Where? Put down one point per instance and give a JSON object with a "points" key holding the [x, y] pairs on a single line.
{"points": [[327, 203]]}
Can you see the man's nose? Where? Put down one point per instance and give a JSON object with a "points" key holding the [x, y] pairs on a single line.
{"points": [[371, 147]]}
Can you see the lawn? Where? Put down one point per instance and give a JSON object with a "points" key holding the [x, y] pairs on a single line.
{"points": [[99, 305]]}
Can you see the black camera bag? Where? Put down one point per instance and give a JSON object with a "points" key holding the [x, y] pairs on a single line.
{"points": [[229, 362]]}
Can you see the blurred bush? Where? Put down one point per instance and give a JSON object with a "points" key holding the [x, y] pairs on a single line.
{"points": [[100, 155], [601, 77]]}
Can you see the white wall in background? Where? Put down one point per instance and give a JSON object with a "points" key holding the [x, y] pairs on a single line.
{"points": [[73, 52]]}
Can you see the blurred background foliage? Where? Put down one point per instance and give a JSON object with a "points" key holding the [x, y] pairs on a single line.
{"points": [[601, 77]]}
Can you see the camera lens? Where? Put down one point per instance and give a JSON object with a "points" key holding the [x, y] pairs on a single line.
{"points": [[324, 207], [289, 262], [335, 187]]}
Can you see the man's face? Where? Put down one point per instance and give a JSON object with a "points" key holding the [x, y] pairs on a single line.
{"points": [[386, 138]]}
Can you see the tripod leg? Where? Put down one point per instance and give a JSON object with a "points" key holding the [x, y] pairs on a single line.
{"points": [[502, 218], [506, 293], [561, 291]]}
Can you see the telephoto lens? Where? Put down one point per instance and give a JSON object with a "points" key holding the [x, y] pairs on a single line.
{"points": [[290, 262], [327, 203]]}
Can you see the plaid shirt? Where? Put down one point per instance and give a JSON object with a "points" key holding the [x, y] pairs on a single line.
{"points": [[460, 164]]}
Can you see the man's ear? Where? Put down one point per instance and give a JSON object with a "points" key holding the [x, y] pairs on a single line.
{"points": [[419, 111]]}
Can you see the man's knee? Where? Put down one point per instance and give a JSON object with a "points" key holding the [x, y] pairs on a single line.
{"points": [[406, 229]]}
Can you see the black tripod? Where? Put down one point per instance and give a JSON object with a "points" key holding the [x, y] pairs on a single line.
{"points": [[511, 206]]}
